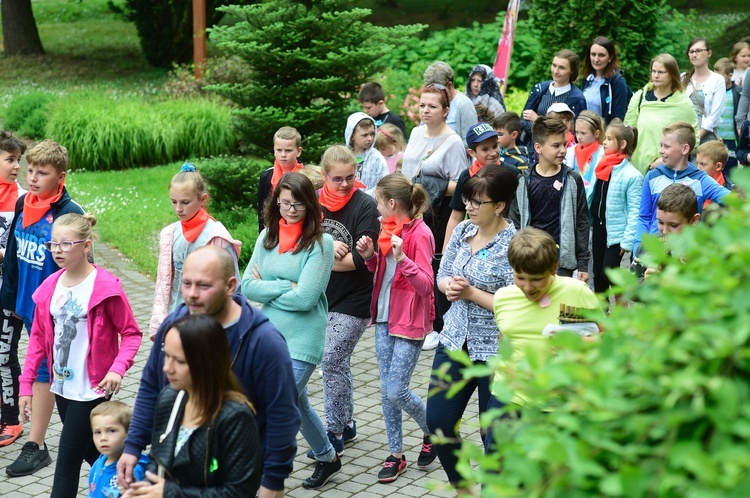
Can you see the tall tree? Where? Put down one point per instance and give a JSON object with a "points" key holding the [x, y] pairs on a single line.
{"points": [[20, 36], [308, 60]]}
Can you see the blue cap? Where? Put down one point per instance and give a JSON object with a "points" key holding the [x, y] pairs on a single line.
{"points": [[479, 133]]}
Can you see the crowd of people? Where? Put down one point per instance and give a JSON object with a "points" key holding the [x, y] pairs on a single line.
{"points": [[470, 231]]}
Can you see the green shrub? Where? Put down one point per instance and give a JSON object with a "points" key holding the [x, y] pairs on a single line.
{"points": [[247, 232], [27, 113], [308, 60], [232, 183], [660, 406], [109, 133], [515, 100]]}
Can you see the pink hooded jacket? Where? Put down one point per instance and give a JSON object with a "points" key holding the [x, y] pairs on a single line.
{"points": [[411, 309], [110, 316]]}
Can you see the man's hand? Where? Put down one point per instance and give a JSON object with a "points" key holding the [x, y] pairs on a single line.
{"points": [[125, 466]]}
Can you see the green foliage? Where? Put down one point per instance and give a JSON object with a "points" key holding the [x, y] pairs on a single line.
{"points": [[165, 27], [640, 29], [27, 114], [182, 82], [64, 11], [308, 60], [232, 181], [108, 133], [660, 406], [515, 100]]}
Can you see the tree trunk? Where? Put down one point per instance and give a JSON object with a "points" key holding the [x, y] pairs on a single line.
{"points": [[20, 36]]}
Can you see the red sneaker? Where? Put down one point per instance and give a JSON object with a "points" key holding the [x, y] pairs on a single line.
{"points": [[392, 468], [9, 433]]}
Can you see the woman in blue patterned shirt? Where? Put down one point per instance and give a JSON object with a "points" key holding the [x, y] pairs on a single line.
{"points": [[474, 265]]}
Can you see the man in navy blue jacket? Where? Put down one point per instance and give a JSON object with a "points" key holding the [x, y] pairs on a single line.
{"points": [[260, 359]]}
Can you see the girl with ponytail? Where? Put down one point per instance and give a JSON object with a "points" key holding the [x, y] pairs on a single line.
{"points": [[403, 308]]}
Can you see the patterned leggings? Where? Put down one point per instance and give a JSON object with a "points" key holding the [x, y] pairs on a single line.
{"points": [[342, 335], [397, 358]]}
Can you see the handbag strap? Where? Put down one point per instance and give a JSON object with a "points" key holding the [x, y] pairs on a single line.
{"points": [[172, 416], [429, 153]]}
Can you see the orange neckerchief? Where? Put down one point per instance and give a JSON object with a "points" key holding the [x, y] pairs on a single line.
{"points": [[194, 226], [9, 195], [610, 159], [331, 200], [571, 138], [720, 180], [475, 167], [279, 170], [35, 207], [388, 227], [289, 235], [584, 153]]}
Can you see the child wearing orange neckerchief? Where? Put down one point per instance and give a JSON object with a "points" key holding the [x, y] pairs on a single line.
{"points": [[195, 229], [11, 150], [287, 147], [26, 265]]}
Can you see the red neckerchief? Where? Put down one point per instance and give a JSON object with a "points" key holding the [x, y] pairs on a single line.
{"points": [[571, 138], [475, 167], [289, 235], [35, 207], [279, 170], [9, 196], [331, 200], [193, 227], [610, 159], [720, 180], [584, 153], [388, 227]]}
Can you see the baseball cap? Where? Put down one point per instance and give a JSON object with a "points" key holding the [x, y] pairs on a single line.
{"points": [[479, 133], [559, 107]]}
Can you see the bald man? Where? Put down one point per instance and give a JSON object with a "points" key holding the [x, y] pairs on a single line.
{"points": [[260, 359]]}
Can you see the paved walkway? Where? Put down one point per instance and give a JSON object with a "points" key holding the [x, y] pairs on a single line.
{"points": [[362, 460]]}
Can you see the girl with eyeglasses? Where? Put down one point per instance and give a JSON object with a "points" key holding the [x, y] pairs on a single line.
{"points": [[474, 266], [348, 215], [288, 274], [84, 326], [195, 228], [661, 102], [705, 88]]}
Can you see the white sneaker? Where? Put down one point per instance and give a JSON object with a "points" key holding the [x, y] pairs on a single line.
{"points": [[431, 341]]}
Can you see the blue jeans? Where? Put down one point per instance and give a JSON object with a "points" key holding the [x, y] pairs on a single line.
{"points": [[444, 413], [311, 426], [397, 358], [42, 373]]}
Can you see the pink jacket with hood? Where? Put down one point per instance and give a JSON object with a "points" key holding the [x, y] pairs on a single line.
{"points": [[411, 309], [109, 316]]}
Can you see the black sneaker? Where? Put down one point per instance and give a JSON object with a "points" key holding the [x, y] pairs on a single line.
{"points": [[392, 468], [322, 474], [427, 455], [31, 459], [349, 435]]}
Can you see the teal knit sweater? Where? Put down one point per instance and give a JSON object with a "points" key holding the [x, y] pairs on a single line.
{"points": [[301, 313]]}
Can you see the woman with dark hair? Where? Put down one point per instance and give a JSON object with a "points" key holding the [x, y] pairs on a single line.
{"points": [[658, 104], [288, 274], [705, 88], [204, 434], [561, 88], [482, 88], [474, 266], [604, 86]]}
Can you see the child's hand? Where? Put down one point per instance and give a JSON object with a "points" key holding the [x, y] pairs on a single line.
{"points": [[110, 384], [365, 247], [340, 250], [24, 407], [146, 489], [255, 270], [397, 244], [583, 276]]}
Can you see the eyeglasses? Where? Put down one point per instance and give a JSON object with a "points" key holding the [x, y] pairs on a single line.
{"points": [[64, 246], [475, 204], [658, 73], [697, 51], [286, 206], [339, 180]]}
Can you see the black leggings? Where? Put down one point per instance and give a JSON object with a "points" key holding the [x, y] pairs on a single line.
{"points": [[10, 368], [76, 445], [603, 257]]}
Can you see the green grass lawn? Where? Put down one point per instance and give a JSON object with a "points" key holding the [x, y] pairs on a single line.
{"points": [[131, 208]]}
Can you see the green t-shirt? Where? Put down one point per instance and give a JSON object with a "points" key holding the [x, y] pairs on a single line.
{"points": [[521, 321]]}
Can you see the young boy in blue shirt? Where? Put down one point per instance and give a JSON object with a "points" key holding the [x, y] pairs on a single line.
{"points": [[677, 142], [27, 263], [110, 422], [508, 127]]}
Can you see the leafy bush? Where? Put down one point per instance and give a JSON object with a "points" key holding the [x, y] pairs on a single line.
{"points": [[515, 100], [123, 133], [660, 406], [27, 113], [308, 60], [232, 182], [247, 232], [182, 82]]}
